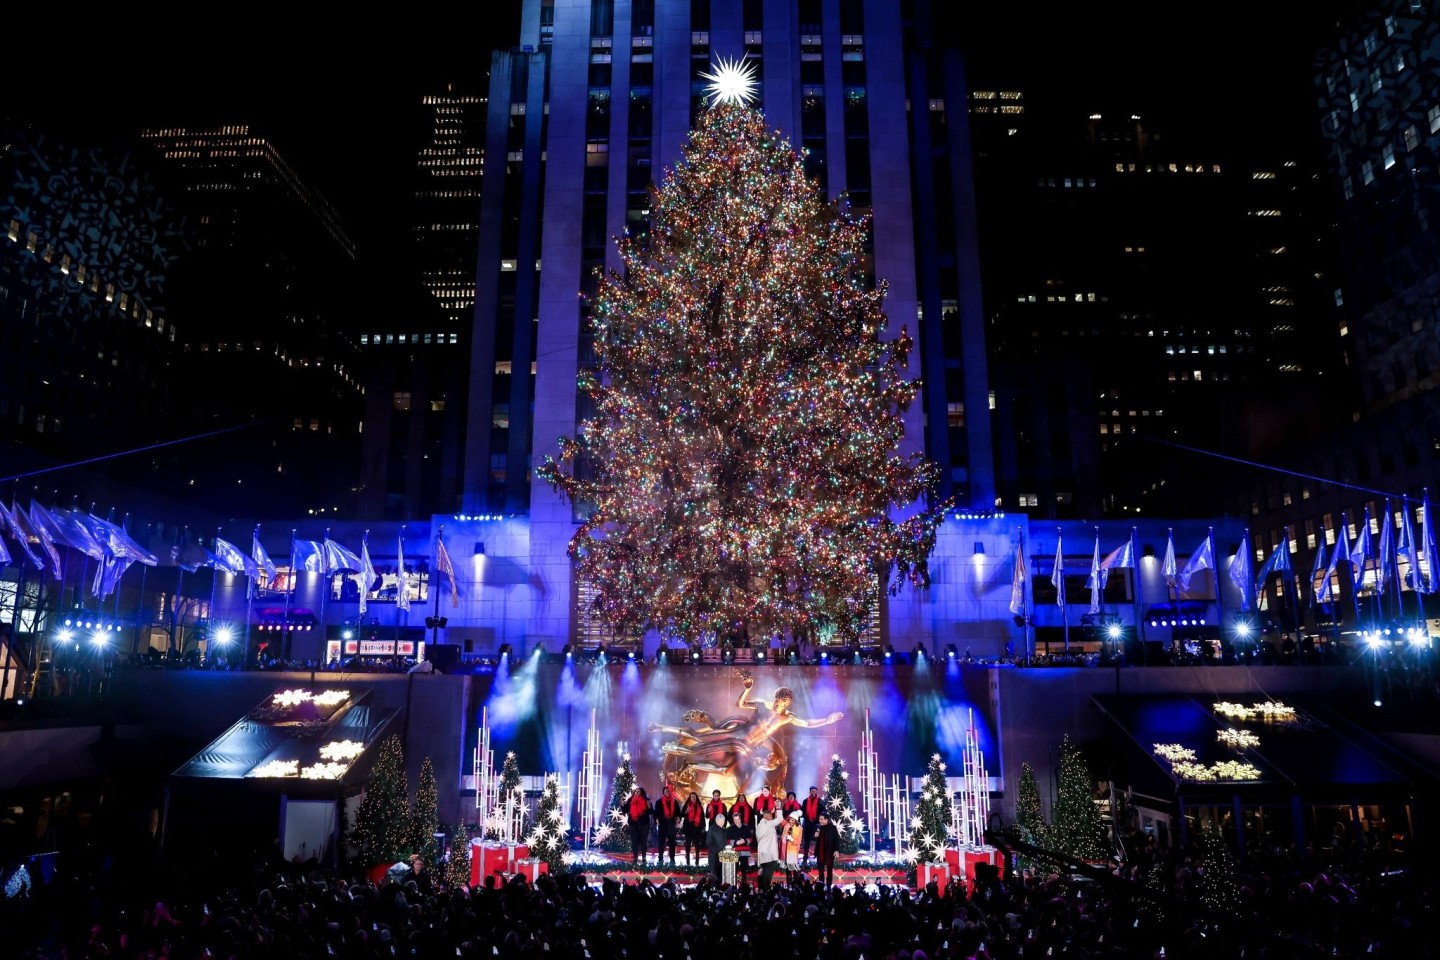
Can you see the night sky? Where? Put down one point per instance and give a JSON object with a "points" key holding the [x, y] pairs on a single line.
{"points": [[332, 91]]}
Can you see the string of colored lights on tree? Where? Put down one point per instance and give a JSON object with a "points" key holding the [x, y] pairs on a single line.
{"points": [[741, 466]]}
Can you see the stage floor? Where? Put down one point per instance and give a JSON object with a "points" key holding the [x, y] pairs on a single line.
{"points": [[621, 867]]}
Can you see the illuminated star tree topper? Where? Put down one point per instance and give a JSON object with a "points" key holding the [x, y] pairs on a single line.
{"points": [[731, 81], [741, 471]]}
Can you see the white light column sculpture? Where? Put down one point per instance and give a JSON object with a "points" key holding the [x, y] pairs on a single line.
{"points": [[592, 782], [486, 782], [972, 813], [871, 784], [899, 804]]}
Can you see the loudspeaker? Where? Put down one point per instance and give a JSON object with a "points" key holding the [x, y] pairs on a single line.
{"points": [[443, 655]]}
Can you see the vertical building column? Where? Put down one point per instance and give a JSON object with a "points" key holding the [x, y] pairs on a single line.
{"points": [[834, 99], [551, 517], [780, 70], [893, 229], [671, 109], [973, 361], [619, 153]]}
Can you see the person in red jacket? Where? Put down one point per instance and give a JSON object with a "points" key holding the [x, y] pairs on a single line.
{"points": [[765, 802], [637, 814], [810, 809], [667, 811], [694, 817]]}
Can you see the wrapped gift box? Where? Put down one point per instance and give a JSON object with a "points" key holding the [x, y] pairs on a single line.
{"points": [[531, 869], [981, 855], [494, 858], [937, 873]]}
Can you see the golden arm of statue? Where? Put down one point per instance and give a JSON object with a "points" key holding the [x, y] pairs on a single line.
{"points": [[811, 724]]}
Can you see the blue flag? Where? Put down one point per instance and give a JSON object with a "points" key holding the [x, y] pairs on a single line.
{"points": [[1202, 559], [1279, 562], [1057, 577], [1240, 568], [233, 560], [1360, 553], [1427, 546]]}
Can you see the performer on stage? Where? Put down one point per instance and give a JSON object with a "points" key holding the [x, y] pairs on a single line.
{"points": [[827, 845], [742, 821], [790, 845], [791, 805], [767, 847], [764, 803], [810, 811], [667, 815], [637, 814], [716, 836], [694, 816], [716, 807]]}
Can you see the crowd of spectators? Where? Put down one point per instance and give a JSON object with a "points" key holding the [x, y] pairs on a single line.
{"points": [[1285, 906]]}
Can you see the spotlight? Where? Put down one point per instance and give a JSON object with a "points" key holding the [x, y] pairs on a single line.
{"points": [[1378, 703], [505, 650], [66, 635], [760, 655], [889, 651], [662, 655], [824, 656], [630, 655], [98, 639], [539, 649], [694, 654], [1374, 640], [1242, 629], [224, 635], [347, 635], [69, 622], [1113, 631], [951, 653]]}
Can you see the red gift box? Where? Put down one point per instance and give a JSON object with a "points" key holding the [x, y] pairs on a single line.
{"points": [[494, 858], [938, 873], [982, 855], [532, 870]]}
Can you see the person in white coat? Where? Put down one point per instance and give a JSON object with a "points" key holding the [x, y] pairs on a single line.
{"points": [[767, 845]]}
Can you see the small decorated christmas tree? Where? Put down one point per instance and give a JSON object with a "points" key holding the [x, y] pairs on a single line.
{"points": [[612, 835], [547, 839], [931, 823], [840, 807], [509, 787], [1218, 890], [1029, 814], [1075, 829], [425, 818], [457, 865], [382, 820]]}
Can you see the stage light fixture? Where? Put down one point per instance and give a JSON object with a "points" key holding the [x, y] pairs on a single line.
{"points": [[567, 651], [505, 650], [760, 655], [224, 635], [824, 656], [66, 635], [347, 635], [695, 654], [630, 655], [951, 652], [1113, 631], [479, 548], [889, 651]]}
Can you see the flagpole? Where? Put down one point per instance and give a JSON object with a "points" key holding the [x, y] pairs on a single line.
{"points": [[1420, 581], [326, 580], [214, 576], [1215, 578], [250, 588], [1060, 569], [435, 615], [140, 598], [1294, 592], [1139, 613], [289, 588]]}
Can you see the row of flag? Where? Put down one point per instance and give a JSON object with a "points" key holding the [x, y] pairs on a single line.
{"points": [[40, 532], [1381, 563]]}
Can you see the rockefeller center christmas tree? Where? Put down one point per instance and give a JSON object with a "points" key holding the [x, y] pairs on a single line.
{"points": [[840, 807], [382, 822], [1075, 828], [741, 467]]}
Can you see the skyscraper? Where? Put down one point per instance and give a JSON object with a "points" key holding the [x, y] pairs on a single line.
{"points": [[1147, 284], [591, 107], [272, 284]]}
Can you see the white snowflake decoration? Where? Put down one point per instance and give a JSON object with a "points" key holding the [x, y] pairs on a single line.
{"points": [[731, 81]]}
